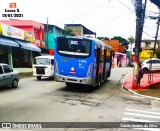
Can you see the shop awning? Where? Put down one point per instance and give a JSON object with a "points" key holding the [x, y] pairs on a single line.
{"points": [[28, 46], [8, 42]]}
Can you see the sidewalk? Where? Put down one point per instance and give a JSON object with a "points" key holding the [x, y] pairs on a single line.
{"points": [[144, 81], [23, 70]]}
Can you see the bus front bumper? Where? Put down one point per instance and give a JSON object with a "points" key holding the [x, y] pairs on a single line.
{"points": [[87, 81]]}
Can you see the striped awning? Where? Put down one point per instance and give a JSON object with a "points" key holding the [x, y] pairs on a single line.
{"points": [[8, 42], [28, 46]]}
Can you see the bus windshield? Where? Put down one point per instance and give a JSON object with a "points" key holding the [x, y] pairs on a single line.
{"points": [[43, 61], [74, 47]]}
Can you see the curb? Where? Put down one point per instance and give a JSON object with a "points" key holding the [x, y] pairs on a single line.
{"points": [[149, 97]]}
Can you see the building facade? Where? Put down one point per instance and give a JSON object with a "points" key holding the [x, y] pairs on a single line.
{"points": [[51, 32], [79, 29], [36, 28], [16, 47]]}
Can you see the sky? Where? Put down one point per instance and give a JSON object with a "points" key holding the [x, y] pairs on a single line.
{"points": [[108, 18]]}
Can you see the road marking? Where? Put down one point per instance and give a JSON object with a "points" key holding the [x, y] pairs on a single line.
{"points": [[149, 112], [142, 115], [136, 120]]}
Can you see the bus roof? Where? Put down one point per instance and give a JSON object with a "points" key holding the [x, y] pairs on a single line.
{"points": [[89, 38], [45, 56]]}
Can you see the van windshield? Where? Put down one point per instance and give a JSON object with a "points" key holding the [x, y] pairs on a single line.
{"points": [[43, 61]]}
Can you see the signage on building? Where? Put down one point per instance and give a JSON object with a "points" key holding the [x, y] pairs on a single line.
{"points": [[14, 32], [29, 36], [37, 43]]}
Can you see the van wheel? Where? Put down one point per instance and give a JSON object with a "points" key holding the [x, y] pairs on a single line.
{"points": [[52, 77], [14, 83], [38, 77]]}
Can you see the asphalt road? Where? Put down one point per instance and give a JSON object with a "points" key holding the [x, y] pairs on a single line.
{"points": [[50, 101]]}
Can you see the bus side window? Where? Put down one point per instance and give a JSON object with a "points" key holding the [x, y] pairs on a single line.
{"points": [[52, 62]]}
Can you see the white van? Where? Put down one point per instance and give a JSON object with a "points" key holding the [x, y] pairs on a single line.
{"points": [[43, 66]]}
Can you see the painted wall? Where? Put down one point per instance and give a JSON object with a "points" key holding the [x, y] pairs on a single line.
{"points": [[119, 57], [28, 25], [146, 54], [116, 47], [51, 38], [149, 46]]}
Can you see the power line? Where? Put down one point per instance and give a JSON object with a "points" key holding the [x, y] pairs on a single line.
{"points": [[126, 6], [117, 17], [84, 12], [148, 34], [152, 12]]}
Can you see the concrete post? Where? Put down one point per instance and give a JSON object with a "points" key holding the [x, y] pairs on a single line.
{"points": [[31, 58], [10, 60]]}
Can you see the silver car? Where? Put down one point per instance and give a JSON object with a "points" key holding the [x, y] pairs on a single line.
{"points": [[8, 76]]}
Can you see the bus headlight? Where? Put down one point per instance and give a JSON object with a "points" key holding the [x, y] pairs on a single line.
{"points": [[89, 70]]}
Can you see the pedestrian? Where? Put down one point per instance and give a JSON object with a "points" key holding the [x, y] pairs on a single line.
{"points": [[140, 75], [119, 64]]}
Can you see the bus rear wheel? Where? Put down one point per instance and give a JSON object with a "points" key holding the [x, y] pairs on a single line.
{"points": [[99, 83]]}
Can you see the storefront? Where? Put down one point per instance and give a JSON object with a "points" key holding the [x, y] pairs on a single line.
{"points": [[119, 59], [14, 49]]}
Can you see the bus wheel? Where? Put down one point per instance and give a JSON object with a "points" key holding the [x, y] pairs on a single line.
{"points": [[38, 78], [98, 84], [69, 84]]}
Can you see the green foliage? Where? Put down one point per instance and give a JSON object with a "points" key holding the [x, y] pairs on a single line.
{"points": [[158, 53], [123, 41], [131, 40], [103, 38], [68, 32]]}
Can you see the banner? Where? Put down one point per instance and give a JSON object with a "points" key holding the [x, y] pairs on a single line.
{"points": [[13, 32]]}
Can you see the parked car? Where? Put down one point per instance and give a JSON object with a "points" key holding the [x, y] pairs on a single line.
{"points": [[8, 76], [152, 64]]}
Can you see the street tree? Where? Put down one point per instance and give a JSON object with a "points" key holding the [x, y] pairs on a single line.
{"points": [[131, 40], [68, 32], [103, 38]]}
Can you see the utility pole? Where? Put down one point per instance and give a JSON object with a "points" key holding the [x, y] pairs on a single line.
{"points": [[156, 36], [143, 16], [47, 32], [137, 41], [40, 37]]}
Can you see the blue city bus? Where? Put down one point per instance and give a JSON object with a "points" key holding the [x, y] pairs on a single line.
{"points": [[82, 60]]}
